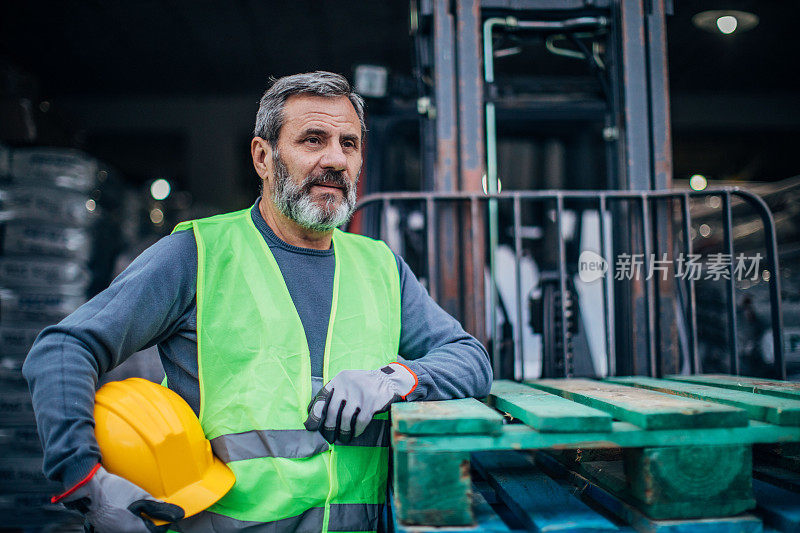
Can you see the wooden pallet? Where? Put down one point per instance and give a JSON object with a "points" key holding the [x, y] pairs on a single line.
{"points": [[662, 455]]}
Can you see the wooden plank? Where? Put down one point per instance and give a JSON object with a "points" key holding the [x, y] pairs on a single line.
{"points": [[689, 481], [487, 520], [660, 506], [678, 483], [647, 409], [779, 507], [622, 434], [450, 417], [638, 520], [772, 409], [772, 387], [544, 411], [432, 488], [540, 503]]}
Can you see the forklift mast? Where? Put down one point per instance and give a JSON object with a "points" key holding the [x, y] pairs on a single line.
{"points": [[457, 86], [455, 51]]}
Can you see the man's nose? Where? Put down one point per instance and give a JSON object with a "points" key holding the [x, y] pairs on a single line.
{"points": [[334, 157]]}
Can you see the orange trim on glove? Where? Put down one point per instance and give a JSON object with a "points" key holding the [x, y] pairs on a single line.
{"points": [[79, 484], [416, 380]]}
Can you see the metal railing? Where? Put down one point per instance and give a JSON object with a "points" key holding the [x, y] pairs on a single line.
{"points": [[657, 226]]}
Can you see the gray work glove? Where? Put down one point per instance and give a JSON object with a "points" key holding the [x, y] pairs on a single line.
{"points": [[342, 408], [112, 504]]}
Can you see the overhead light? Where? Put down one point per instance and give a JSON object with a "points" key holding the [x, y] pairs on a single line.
{"points": [[157, 216], [698, 182], [160, 189], [725, 21], [727, 24]]}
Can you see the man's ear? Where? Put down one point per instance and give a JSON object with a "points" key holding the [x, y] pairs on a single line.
{"points": [[261, 152]]}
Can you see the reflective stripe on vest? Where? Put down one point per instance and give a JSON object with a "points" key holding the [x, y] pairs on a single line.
{"points": [[289, 443], [255, 376], [342, 517]]}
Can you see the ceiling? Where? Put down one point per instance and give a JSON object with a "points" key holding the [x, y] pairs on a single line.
{"points": [[168, 47], [195, 47]]}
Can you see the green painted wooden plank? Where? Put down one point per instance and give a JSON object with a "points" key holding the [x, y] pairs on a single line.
{"points": [[772, 409], [772, 387], [669, 482], [622, 434], [544, 411], [611, 477], [645, 408], [486, 520], [433, 488], [449, 417], [537, 501], [590, 488]]}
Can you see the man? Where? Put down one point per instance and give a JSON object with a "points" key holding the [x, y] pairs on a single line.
{"points": [[252, 313]]}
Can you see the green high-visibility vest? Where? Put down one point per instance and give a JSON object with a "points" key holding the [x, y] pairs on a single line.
{"points": [[255, 380]]}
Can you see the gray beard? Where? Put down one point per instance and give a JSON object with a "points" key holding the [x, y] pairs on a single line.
{"points": [[294, 200]]}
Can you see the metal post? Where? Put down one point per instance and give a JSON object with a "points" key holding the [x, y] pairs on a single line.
{"points": [[692, 304], [645, 165], [477, 236], [562, 286], [519, 350], [446, 173], [635, 92], [448, 256], [659, 95], [661, 148], [491, 185], [471, 153], [430, 227], [608, 309], [731, 284], [649, 293]]}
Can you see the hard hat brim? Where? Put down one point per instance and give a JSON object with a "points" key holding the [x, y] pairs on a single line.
{"points": [[216, 482]]}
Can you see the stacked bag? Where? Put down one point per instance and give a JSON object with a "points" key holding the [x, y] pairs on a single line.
{"points": [[47, 223]]}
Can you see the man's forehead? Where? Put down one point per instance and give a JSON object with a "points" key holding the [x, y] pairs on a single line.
{"points": [[305, 110]]}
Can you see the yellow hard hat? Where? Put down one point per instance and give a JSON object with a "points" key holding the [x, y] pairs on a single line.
{"points": [[150, 436]]}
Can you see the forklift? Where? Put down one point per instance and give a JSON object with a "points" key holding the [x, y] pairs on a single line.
{"points": [[546, 220]]}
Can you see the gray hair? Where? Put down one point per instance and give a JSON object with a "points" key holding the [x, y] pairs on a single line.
{"points": [[269, 118]]}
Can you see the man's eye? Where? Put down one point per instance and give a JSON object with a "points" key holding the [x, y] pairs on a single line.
{"points": [[313, 140], [349, 144]]}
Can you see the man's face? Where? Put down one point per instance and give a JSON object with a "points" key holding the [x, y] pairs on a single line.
{"points": [[316, 166]]}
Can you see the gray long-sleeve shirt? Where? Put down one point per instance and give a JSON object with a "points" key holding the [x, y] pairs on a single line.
{"points": [[153, 303]]}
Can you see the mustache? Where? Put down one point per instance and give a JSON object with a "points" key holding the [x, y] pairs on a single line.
{"points": [[329, 177]]}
